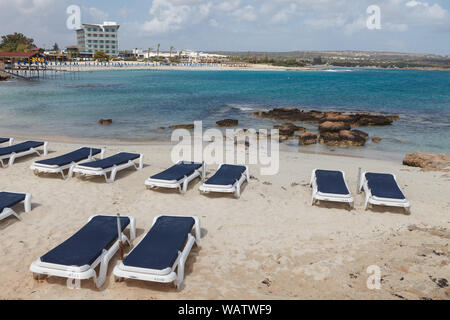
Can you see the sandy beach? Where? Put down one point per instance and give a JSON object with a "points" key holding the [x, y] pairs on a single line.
{"points": [[272, 232]]}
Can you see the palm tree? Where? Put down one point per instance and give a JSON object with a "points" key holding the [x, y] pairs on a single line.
{"points": [[171, 49], [149, 52], [157, 52]]}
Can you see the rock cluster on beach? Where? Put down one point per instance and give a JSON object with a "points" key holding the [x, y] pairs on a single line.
{"points": [[428, 161], [335, 128]]}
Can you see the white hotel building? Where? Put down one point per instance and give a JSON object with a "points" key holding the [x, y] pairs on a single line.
{"points": [[99, 37]]}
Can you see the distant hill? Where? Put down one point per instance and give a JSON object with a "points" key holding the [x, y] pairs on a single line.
{"points": [[347, 58]]}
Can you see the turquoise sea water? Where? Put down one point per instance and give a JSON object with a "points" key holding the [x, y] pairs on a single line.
{"points": [[142, 101]]}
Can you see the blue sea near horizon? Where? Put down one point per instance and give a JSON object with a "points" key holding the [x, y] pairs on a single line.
{"points": [[142, 101]]}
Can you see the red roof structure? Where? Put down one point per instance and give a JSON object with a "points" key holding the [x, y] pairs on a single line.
{"points": [[22, 55]]}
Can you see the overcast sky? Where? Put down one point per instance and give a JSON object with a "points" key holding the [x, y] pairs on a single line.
{"points": [[242, 25]]}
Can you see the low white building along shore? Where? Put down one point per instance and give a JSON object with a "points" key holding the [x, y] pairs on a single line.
{"points": [[99, 37], [188, 56]]}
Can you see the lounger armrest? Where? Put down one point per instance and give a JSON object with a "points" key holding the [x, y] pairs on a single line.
{"points": [[11, 141], [102, 153]]}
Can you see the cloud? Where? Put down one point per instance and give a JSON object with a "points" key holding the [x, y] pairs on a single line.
{"points": [[246, 13], [173, 15], [97, 15]]}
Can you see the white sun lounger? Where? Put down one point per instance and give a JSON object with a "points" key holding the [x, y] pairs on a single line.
{"points": [[65, 162], [9, 140], [20, 150], [161, 255], [8, 199], [179, 176], [227, 179], [77, 257], [114, 164], [330, 186], [382, 189]]}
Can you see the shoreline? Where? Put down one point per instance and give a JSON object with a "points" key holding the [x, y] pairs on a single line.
{"points": [[251, 67], [340, 152]]}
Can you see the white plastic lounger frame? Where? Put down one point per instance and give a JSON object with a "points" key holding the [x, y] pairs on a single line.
{"points": [[235, 188], [88, 171], [373, 200], [164, 276], [88, 271], [13, 156], [10, 212], [43, 168], [182, 184], [320, 196]]}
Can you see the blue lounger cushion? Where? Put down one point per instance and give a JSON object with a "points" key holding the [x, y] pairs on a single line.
{"points": [[8, 199], [178, 171], [75, 156], [24, 146], [159, 249], [117, 159], [227, 175], [383, 185], [85, 246], [3, 140], [331, 182]]}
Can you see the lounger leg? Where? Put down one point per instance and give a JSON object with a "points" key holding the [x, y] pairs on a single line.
{"points": [[238, 191], [112, 177], [141, 162], [183, 258], [185, 186], [28, 203], [352, 205], [9, 212], [366, 205], [45, 148], [11, 160], [203, 172]]}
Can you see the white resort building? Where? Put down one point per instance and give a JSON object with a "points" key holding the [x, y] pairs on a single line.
{"points": [[99, 37]]}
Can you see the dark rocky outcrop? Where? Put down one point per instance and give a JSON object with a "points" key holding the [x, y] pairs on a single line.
{"points": [[183, 126], [354, 119], [355, 138], [227, 123], [329, 126], [428, 161], [289, 129], [307, 138], [105, 121]]}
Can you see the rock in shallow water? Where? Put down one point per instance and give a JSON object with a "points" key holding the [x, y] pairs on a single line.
{"points": [[105, 121], [307, 138], [183, 126], [354, 138], [356, 119], [227, 123]]}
